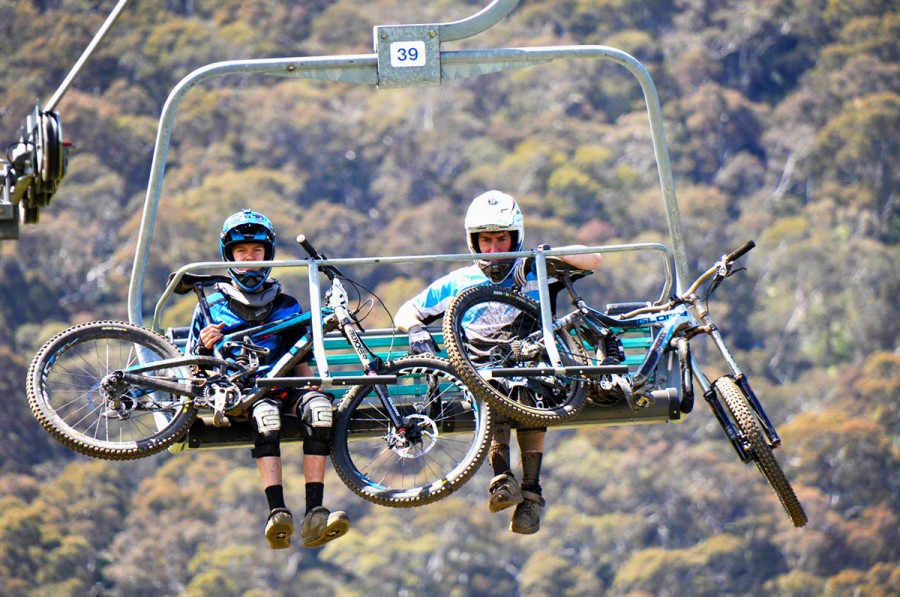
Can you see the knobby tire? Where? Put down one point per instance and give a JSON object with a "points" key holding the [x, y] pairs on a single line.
{"points": [[765, 461], [63, 387], [379, 466], [533, 401]]}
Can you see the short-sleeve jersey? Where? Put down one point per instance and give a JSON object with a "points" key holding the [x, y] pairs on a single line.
{"points": [[431, 303]]}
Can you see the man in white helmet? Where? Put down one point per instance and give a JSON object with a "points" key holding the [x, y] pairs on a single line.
{"points": [[494, 224]]}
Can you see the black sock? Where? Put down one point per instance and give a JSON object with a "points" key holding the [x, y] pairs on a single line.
{"points": [[499, 458], [275, 496], [531, 471], [315, 494]]}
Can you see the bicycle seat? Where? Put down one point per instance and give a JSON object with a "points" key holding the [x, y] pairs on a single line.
{"points": [[617, 322], [188, 281]]}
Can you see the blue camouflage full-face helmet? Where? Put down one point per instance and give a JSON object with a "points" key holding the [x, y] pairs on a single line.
{"points": [[247, 226]]}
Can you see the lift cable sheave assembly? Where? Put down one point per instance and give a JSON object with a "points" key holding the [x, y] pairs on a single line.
{"points": [[33, 167]]}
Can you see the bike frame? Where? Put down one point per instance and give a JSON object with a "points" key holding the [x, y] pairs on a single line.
{"points": [[346, 323], [682, 317]]}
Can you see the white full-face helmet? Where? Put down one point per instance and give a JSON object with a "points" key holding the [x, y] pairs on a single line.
{"points": [[495, 211]]}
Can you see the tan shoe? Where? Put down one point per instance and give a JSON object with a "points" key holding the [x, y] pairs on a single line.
{"points": [[321, 526], [526, 520], [505, 492], [279, 528]]}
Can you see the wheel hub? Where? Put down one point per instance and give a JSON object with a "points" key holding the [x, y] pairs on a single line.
{"points": [[416, 439]]}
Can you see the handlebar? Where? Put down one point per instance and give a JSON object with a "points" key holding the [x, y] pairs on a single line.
{"points": [[337, 298], [336, 295], [740, 251], [721, 269], [328, 270]]}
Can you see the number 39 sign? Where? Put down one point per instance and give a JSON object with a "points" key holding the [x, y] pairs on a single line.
{"points": [[407, 53]]}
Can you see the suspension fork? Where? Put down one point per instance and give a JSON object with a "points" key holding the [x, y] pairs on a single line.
{"points": [[371, 365], [683, 349], [741, 380], [734, 435], [756, 405]]}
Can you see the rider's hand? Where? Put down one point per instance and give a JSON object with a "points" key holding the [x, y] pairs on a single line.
{"points": [[211, 334], [420, 341]]}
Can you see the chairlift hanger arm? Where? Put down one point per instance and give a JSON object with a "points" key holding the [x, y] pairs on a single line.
{"points": [[481, 21], [86, 55], [409, 56]]}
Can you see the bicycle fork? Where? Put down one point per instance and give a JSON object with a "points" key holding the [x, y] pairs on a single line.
{"points": [[709, 394], [404, 431]]}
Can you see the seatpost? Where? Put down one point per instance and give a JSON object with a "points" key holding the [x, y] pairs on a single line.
{"points": [[204, 304], [567, 282]]}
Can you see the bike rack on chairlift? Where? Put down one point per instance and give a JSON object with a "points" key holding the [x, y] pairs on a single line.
{"points": [[411, 56]]}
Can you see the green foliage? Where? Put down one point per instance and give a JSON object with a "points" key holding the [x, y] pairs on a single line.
{"points": [[781, 119]]}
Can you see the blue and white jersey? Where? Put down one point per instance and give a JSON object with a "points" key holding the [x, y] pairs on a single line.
{"points": [[431, 303], [225, 309]]}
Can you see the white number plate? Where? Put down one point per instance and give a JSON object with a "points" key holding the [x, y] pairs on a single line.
{"points": [[407, 53]]}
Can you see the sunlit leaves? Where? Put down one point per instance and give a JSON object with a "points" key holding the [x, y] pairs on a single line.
{"points": [[781, 120]]}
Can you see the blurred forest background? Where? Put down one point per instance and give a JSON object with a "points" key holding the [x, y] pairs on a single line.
{"points": [[782, 118]]}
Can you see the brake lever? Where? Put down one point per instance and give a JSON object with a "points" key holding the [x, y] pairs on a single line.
{"points": [[724, 266]]}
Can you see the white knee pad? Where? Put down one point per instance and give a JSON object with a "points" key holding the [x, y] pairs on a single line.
{"points": [[267, 416], [318, 412]]}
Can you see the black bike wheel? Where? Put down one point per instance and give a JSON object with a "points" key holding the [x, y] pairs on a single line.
{"points": [[64, 392], [403, 468], [484, 329], [734, 399]]}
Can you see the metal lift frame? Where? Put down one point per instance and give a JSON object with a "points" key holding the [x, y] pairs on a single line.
{"points": [[406, 56], [410, 56]]}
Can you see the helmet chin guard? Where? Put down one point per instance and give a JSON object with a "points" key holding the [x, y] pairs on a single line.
{"points": [[496, 270], [495, 211]]}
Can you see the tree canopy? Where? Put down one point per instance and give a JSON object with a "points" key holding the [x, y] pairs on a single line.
{"points": [[781, 118]]}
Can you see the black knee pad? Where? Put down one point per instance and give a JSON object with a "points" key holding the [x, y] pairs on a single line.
{"points": [[265, 428], [317, 446]]}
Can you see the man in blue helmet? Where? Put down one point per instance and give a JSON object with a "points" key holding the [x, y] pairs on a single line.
{"points": [[253, 298], [494, 224]]}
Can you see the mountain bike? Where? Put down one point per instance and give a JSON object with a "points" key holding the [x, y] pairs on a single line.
{"points": [[514, 370], [408, 432]]}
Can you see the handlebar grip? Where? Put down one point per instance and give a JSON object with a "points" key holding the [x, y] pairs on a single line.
{"points": [[740, 251], [328, 270], [307, 246]]}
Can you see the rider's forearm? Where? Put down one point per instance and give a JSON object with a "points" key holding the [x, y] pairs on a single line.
{"points": [[585, 261], [406, 317]]}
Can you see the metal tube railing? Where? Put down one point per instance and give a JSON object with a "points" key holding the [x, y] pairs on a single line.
{"points": [[315, 290]]}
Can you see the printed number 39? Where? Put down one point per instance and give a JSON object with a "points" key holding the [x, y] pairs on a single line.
{"points": [[404, 54], [407, 53]]}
